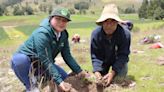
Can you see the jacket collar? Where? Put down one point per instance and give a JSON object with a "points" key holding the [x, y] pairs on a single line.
{"points": [[114, 34], [46, 24]]}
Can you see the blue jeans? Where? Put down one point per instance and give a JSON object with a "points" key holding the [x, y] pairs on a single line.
{"points": [[21, 64]]}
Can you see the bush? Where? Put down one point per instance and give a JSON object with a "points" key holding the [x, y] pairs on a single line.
{"points": [[152, 9], [83, 12], [92, 12], [43, 8], [81, 5], [50, 9], [58, 1], [72, 11], [18, 11], [1, 10], [29, 10], [6, 12], [158, 13], [130, 10]]}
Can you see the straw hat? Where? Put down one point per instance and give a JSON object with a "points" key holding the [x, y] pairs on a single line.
{"points": [[110, 11]]}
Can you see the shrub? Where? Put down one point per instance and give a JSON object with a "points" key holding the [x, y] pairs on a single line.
{"points": [[130, 10], [18, 11], [29, 10], [72, 11], [1, 10], [81, 5], [83, 12]]}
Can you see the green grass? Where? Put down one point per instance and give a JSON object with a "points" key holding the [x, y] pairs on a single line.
{"points": [[32, 18], [149, 25], [27, 29], [132, 17], [83, 18], [147, 74], [3, 34], [20, 20], [84, 25]]}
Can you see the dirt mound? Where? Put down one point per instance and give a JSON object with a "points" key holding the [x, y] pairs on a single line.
{"points": [[83, 85], [89, 84]]}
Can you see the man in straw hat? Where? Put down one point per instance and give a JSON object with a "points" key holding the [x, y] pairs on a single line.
{"points": [[110, 46], [38, 54]]}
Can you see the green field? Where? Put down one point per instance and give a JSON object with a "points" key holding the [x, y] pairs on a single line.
{"points": [[143, 67]]}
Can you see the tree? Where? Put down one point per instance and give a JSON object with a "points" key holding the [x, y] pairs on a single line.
{"points": [[152, 9], [130, 10], [43, 7], [18, 11], [50, 9], [1, 10], [83, 12], [72, 11], [162, 4], [6, 12], [81, 5], [36, 2], [58, 1], [158, 13], [29, 10], [12, 2], [142, 12]]}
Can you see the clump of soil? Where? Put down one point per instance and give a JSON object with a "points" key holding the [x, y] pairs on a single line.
{"points": [[83, 85], [89, 84]]}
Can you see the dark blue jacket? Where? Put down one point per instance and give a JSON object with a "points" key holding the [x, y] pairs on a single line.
{"points": [[106, 52]]}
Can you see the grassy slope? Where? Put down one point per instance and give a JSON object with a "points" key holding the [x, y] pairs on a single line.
{"points": [[3, 35], [140, 66]]}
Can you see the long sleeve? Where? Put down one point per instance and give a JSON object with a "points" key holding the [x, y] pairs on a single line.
{"points": [[43, 48], [96, 55], [123, 50], [70, 61]]}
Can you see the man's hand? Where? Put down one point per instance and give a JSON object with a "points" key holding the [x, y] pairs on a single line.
{"points": [[98, 75], [108, 78], [82, 74], [65, 86], [99, 80]]}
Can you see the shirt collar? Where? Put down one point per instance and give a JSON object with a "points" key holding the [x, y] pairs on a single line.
{"points": [[58, 35]]}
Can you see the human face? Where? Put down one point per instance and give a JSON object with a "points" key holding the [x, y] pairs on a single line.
{"points": [[109, 26], [59, 23]]}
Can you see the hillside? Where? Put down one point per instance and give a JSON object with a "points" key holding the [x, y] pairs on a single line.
{"points": [[125, 3], [70, 3]]}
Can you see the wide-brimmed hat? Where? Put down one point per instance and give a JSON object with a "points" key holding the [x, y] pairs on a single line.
{"points": [[62, 12], [110, 11]]}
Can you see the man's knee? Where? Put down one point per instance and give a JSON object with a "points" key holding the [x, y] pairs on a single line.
{"points": [[122, 74]]}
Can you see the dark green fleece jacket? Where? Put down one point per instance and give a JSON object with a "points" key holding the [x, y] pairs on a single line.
{"points": [[42, 44]]}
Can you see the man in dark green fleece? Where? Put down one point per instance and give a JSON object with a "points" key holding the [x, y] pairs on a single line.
{"points": [[40, 50]]}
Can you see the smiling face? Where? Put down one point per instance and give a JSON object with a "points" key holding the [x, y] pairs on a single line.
{"points": [[109, 26], [59, 23]]}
